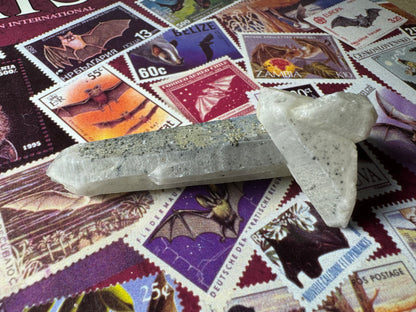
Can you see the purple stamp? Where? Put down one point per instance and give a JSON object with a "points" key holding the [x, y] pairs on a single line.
{"points": [[69, 50], [176, 51], [201, 240]]}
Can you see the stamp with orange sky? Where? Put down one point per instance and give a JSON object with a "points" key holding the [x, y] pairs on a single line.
{"points": [[104, 104]]}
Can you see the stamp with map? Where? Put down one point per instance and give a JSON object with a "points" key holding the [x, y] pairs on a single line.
{"points": [[357, 22], [102, 104], [295, 57], [67, 51], [200, 240], [309, 257], [216, 90], [176, 51]]}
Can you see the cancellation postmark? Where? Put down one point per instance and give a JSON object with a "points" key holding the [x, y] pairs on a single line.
{"points": [[44, 228], [69, 50], [102, 104], [202, 250], [176, 51], [357, 22], [309, 257], [295, 57], [216, 90]]}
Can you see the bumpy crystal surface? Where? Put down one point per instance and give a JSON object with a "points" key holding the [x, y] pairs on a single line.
{"points": [[316, 138]]}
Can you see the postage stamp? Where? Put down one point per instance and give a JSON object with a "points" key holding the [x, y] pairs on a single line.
{"points": [[201, 239], [155, 292], [22, 130], [300, 57], [393, 60], [183, 13], [102, 103], [309, 257], [253, 298], [409, 27], [69, 50], [177, 51], [394, 130], [399, 219], [216, 90], [271, 16], [385, 284], [357, 22], [44, 228]]}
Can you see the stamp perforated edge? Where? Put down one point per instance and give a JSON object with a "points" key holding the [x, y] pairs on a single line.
{"points": [[36, 99], [350, 65], [21, 46]]}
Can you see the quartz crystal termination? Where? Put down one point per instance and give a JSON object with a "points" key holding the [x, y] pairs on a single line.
{"points": [[316, 138], [222, 151]]}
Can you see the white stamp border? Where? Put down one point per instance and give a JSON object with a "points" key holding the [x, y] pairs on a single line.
{"points": [[156, 87], [338, 44], [21, 46], [180, 27], [37, 100], [346, 7], [6, 290], [353, 233], [139, 80], [227, 281], [364, 57]]}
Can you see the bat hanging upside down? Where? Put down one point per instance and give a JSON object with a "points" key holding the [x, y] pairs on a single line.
{"points": [[84, 46]]}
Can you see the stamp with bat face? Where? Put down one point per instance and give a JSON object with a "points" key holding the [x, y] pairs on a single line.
{"points": [[183, 13], [357, 22], [310, 258], [102, 103], [201, 239], [177, 51], [216, 90], [69, 50], [297, 57]]}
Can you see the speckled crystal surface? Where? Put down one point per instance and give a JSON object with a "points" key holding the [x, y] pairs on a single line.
{"points": [[316, 138], [215, 152]]}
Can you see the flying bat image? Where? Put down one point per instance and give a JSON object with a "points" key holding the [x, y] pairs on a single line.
{"points": [[360, 20], [205, 45], [143, 120], [220, 217], [84, 46], [264, 52], [97, 98], [124, 116], [211, 95]]}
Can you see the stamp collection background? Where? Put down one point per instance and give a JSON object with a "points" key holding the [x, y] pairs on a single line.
{"points": [[58, 249]]}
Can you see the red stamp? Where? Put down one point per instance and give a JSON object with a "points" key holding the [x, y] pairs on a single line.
{"points": [[213, 91]]}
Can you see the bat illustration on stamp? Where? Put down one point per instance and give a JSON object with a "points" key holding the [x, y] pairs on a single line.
{"points": [[360, 20], [84, 46]]}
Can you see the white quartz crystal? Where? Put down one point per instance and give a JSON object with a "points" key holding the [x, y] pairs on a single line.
{"points": [[316, 138]]}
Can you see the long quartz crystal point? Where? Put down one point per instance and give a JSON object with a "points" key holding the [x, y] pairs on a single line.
{"points": [[316, 138], [214, 152]]}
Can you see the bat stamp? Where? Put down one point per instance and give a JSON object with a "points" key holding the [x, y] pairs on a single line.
{"points": [[309, 257], [252, 298], [44, 228], [23, 136], [201, 239], [102, 103], [357, 22], [383, 284], [394, 130], [71, 49], [176, 51], [216, 90], [300, 57], [394, 61], [183, 13], [271, 16], [155, 292]]}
